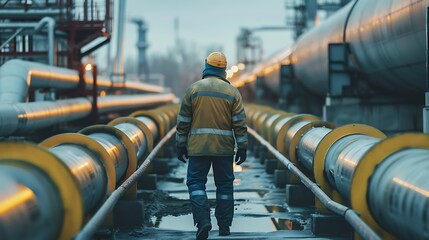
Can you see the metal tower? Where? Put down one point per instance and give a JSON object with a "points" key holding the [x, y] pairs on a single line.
{"points": [[142, 45]]}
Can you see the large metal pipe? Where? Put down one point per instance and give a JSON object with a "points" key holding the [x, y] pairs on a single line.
{"points": [[386, 42], [77, 172], [50, 22], [23, 117], [399, 192], [116, 149], [92, 226], [308, 144], [28, 203], [31, 13], [347, 162], [349, 214], [87, 169], [384, 179], [17, 76]]}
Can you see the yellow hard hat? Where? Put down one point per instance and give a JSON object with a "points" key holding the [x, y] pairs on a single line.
{"points": [[217, 59]]}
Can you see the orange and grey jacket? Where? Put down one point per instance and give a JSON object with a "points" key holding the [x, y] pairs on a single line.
{"points": [[211, 119]]}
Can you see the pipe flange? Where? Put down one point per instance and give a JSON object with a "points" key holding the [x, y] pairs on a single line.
{"points": [[94, 147], [280, 142], [295, 140], [146, 131], [129, 146], [159, 121], [271, 129], [324, 146], [61, 177], [366, 167]]}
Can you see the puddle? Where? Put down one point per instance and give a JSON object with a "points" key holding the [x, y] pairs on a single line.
{"points": [[258, 205]]}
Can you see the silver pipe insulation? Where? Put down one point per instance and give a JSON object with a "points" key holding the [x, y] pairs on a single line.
{"points": [[347, 161], [28, 203], [40, 194], [96, 221], [128, 102], [116, 149], [308, 144], [349, 214], [151, 125], [50, 22], [18, 76], [23, 117], [342, 157], [399, 192], [87, 169], [136, 136]]}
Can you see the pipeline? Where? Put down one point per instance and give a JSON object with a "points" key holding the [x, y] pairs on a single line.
{"points": [[24, 117], [384, 179], [49, 21], [350, 215], [385, 39], [63, 180], [104, 210], [17, 76]]}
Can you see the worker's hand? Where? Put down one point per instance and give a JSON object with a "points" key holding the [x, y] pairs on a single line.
{"points": [[182, 151], [240, 156]]}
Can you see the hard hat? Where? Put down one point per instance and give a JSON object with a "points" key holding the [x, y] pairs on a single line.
{"points": [[217, 59]]}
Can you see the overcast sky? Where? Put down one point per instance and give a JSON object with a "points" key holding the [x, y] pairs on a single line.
{"points": [[205, 23]]}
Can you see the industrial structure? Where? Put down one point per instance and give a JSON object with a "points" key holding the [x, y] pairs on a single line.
{"points": [[366, 63], [338, 98]]}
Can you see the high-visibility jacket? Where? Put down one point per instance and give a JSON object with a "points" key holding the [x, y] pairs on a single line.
{"points": [[211, 119]]}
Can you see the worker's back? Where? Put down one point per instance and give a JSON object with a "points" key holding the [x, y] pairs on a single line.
{"points": [[212, 101]]}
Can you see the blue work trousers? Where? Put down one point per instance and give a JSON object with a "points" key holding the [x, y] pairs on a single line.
{"points": [[223, 172]]}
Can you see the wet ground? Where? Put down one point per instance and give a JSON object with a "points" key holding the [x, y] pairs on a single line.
{"points": [[260, 208]]}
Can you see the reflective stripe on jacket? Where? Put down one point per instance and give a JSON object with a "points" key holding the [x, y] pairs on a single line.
{"points": [[211, 116]]}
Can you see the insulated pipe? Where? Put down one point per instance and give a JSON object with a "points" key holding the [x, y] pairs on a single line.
{"points": [[136, 135], [349, 214], [17, 76], [87, 169], [30, 13], [37, 27], [92, 226], [51, 37], [308, 144], [116, 149], [399, 191], [23, 117], [385, 43], [76, 174], [384, 179], [348, 160], [28, 201]]}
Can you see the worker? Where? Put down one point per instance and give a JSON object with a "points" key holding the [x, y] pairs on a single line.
{"points": [[211, 126]]}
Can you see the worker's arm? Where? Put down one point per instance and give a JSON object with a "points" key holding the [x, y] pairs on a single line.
{"points": [[184, 120], [239, 122]]}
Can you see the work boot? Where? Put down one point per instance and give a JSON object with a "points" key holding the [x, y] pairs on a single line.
{"points": [[203, 230], [224, 231]]}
